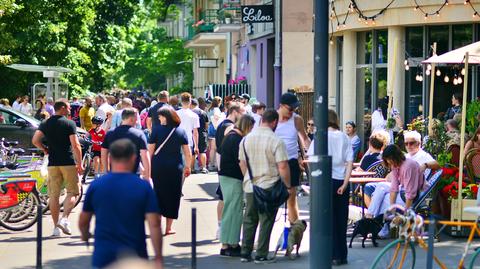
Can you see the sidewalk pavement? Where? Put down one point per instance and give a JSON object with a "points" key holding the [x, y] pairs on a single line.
{"points": [[17, 249]]}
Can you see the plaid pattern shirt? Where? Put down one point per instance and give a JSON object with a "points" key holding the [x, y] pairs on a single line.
{"points": [[264, 150]]}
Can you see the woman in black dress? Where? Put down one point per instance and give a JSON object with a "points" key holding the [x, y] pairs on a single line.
{"points": [[167, 165]]}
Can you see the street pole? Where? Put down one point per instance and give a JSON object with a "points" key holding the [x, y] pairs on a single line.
{"points": [[277, 65], [321, 171]]}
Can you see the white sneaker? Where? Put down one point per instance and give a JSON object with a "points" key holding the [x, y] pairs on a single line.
{"points": [[385, 232], [56, 232], [64, 225], [219, 230]]}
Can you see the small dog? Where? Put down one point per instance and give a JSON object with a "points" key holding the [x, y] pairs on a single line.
{"points": [[295, 237], [366, 226]]}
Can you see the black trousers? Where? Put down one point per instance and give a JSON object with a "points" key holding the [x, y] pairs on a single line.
{"points": [[340, 219]]}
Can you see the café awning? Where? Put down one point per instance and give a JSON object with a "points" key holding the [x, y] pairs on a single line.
{"points": [[457, 56]]}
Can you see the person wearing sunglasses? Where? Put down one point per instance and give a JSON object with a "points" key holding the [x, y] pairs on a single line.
{"points": [[291, 130], [415, 152]]}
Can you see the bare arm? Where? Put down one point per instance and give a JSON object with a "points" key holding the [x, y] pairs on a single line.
{"points": [[284, 171], [348, 172], [188, 159], [393, 197], [243, 167], [155, 228], [146, 163], [77, 151], [302, 133], [37, 141], [149, 124], [84, 225], [104, 159], [151, 150], [195, 139]]}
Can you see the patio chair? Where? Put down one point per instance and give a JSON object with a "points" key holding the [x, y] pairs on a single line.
{"points": [[379, 168], [473, 164], [433, 181], [455, 150]]}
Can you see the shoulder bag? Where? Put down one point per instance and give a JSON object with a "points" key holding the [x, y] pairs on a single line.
{"points": [[164, 142], [266, 200]]}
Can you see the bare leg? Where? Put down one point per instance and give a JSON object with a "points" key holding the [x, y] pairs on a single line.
{"points": [[203, 160], [219, 211], [168, 228], [212, 151], [368, 200], [69, 204], [292, 207], [54, 206]]}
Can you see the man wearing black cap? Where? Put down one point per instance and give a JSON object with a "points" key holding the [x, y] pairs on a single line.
{"points": [[244, 99], [291, 130]]}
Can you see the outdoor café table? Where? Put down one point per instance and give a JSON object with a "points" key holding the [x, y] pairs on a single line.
{"points": [[362, 174], [362, 181]]}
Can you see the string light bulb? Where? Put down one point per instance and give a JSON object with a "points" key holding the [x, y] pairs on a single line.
{"points": [[426, 16], [407, 67], [405, 62], [475, 14], [446, 2], [446, 79], [438, 14], [427, 72], [373, 21], [459, 80], [463, 72], [429, 67], [455, 81], [415, 8], [331, 41], [466, 2], [438, 73], [420, 78]]}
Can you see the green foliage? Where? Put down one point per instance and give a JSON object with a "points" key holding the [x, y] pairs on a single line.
{"points": [[437, 142], [472, 120], [108, 43]]}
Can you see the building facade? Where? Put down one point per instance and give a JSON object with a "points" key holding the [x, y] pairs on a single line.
{"points": [[248, 51], [377, 48]]}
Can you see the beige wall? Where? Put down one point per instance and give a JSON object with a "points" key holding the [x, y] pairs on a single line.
{"points": [[401, 13], [297, 59], [297, 16]]}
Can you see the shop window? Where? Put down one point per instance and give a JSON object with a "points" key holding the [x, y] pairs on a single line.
{"points": [[462, 35], [439, 34], [382, 46], [364, 47], [414, 41]]}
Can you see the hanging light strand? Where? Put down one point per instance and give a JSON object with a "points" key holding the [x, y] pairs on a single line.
{"points": [[476, 14], [372, 18], [426, 14]]}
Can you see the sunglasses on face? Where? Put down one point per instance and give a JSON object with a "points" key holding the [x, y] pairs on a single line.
{"points": [[410, 143], [310, 124]]}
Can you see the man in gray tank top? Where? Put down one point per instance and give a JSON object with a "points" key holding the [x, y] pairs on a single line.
{"points": [[291, 130]]}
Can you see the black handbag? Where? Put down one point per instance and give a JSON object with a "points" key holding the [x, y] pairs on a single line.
{"points": [[270, 199]]}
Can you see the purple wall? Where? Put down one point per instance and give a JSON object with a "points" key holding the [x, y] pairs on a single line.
{"points": [[262, 66]]}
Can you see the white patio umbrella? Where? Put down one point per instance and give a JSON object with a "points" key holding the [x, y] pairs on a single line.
{"points": [[466, 55]]}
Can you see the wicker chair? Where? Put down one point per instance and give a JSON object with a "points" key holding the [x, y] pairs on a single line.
{"points": [[472, 161], [455, 150]]}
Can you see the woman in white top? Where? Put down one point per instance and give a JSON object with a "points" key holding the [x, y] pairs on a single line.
{"points": [[340, 149], [25, 107]]}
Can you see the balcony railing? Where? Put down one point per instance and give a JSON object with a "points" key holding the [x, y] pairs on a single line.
{"points": [[207, 19]]}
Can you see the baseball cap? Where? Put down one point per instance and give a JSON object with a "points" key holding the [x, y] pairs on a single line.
{"points": [[245, 96], [195, 102], [290, 99]]}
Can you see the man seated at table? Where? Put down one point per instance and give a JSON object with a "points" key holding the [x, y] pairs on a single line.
{"points": [[415, 152], [375, 146]]}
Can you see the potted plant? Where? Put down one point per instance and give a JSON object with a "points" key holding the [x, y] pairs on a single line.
{"points": [[228, 18]]}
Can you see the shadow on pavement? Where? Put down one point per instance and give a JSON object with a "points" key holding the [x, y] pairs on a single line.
{"points": [[197, 200], [189, 244], [209, 188], [26, 239], [79, 262]]}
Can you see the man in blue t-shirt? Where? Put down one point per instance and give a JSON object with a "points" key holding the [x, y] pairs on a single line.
{"points": [[137, 137], [121, 202]]}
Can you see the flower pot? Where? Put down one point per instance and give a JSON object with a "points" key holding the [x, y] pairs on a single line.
{"points": [[455, 213], [228, 20], [441, 205]]}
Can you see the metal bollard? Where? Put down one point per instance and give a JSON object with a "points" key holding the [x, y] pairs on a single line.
{"points": [[194, 238], [431, 233], [39, 235]]}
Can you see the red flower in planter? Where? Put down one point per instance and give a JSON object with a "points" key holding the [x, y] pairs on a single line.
{"points": [[474, 190]]}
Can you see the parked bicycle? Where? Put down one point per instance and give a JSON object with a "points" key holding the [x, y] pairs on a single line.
{"points": [[401, 253]]}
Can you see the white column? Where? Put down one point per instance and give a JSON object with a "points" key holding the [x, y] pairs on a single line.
{"points": [[332, 76], [348, 93], [396, 34]]}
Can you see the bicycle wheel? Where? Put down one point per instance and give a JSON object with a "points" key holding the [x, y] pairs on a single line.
{"points": [[475, 262], [87, 163], [396, 255], [27, 207]]}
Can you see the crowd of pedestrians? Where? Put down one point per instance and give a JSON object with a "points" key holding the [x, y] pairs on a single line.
{"points": [[144, 149]]}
